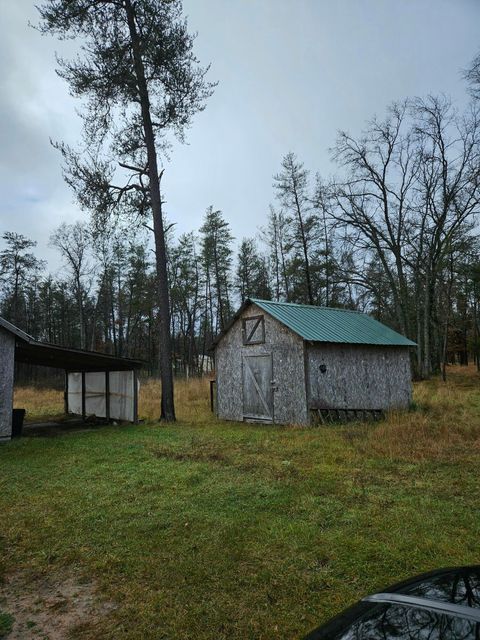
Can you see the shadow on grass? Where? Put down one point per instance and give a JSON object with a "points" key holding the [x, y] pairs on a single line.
{"points": [[51, 428]]}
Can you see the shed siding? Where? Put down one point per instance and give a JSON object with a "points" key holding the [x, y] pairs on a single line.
{"points": [[287, 350], [358, 377], [7, 361]]}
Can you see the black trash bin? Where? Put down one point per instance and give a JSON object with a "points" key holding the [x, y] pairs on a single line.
{"points": [[17, 422]]}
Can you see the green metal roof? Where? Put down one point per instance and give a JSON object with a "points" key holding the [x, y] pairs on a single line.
{"points": [[326, 324]]}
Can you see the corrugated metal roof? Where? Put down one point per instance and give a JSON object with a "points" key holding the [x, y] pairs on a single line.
{"points": [[327, 324]]}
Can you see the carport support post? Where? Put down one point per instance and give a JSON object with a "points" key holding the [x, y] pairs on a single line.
{"points": [[212, 397], [84, 415], [135, 396], [65, 394], [107, 395]]}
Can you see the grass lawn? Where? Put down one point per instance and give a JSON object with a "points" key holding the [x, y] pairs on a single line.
{"points": [[208, 529]]}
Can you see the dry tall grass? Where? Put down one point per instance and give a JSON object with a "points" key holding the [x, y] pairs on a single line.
{"points": [[444, 423], [41, 404], [192, 399]]}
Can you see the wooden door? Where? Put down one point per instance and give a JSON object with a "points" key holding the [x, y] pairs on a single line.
{"points": [[257, 388]]}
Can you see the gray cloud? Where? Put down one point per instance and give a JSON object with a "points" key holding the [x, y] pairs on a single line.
{"points": [[291, 74]]}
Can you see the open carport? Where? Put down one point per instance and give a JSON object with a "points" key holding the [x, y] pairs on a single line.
{"points": [[95, 383]]}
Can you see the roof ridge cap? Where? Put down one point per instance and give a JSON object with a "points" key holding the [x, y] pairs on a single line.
{"points": [[308, 306]]}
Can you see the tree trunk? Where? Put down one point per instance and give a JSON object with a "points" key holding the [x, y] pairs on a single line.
{"points": [[447, 320], [165, 355], [419, 355], [426, 328], [305, 250], [475, 329], [15, 298], [327, 259], [81, 315]]}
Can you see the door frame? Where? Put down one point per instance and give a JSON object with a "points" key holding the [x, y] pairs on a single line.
{"points": [[243, 365]]}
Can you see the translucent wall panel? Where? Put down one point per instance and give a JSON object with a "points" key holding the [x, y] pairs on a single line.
{"points": [[74, 397], [95, 404], [122, 400], [121, 395]]}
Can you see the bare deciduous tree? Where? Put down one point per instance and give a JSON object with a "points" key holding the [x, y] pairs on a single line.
{"points": [[73, 242]]}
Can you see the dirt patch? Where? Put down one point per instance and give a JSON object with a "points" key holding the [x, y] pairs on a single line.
{"points": [[50, 607], [60, 426]]}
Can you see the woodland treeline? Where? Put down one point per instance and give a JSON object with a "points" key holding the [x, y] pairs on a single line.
{"points": [[393, 234]]}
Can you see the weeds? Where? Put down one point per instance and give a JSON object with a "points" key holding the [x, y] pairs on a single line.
{"points": [[210, 529], [444, 425], [6, 623], [444, 420], [192, 398]]}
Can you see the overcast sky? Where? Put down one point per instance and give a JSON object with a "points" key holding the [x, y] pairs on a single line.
{"points": [[291, 73]]}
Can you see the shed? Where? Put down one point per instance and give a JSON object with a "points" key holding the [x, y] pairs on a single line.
{"points": [[95, 383], [291, 363]]}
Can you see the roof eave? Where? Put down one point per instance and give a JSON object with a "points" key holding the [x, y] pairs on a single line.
{"points": [[363, 344], [97, 361]]}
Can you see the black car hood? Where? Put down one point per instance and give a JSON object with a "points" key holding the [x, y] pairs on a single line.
{"points": [[445, 599]]}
